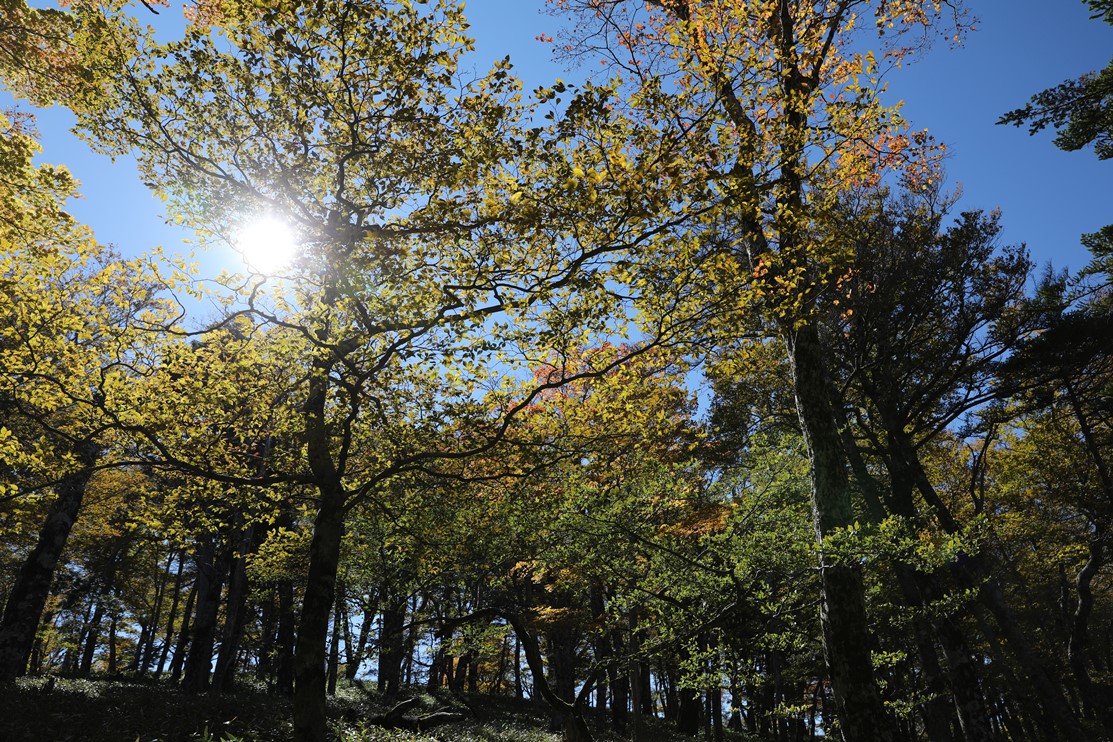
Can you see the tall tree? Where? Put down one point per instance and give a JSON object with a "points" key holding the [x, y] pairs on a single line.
{"points": [[918, 333], [442, 236], [776, 105], [73, 319]]}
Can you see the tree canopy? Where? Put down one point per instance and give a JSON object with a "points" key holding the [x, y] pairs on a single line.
{"points": [[677, 400]]}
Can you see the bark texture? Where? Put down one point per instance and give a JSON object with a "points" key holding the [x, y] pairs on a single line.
{"points": [[846, 640], [31, 588]]}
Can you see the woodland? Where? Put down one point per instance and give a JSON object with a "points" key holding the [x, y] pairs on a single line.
{"points": [[677, 402]]}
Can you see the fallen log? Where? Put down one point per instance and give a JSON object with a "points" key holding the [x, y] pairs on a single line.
{"points": [[395, 718]]}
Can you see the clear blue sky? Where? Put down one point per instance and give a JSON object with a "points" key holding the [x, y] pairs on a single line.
{"points": [[1047, 197]]}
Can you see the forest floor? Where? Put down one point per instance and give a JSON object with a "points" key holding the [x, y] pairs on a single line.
{"points": [[118, 710]]}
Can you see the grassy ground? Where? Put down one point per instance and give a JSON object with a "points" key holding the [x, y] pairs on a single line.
{"points": [[102, 710]]}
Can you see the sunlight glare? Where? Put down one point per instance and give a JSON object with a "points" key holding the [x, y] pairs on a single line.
{"points": [[267, 243]]}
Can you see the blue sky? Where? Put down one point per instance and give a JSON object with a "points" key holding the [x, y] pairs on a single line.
{"points": [[1047, 197]]}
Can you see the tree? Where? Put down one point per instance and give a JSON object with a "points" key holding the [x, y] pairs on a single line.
{"points": [[1081, 112], [1060, 381], [773, 107], [441, 231], [73, 320], [918, 331]]}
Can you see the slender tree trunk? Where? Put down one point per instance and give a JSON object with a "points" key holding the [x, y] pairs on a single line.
{"points": [[268, 626], [495, 687], [72, 658], [392, 644], [334, 644], [459, 673], [518, 690], [38, 650], [284, 641], [410, 641], [715, 692], [178, 661], [935, 710], [170, 617], [145, 632], [604, 651], [210, 581], [473, 672], [637, 709], [440, 659], [351, 655], [113, 669], [144, 657], [29, 592], [105, 589], [1095, 704], [649, 707], [92, 634], [369, 611], [235, 613], [620, 687], [963, 674], [316, 607]]}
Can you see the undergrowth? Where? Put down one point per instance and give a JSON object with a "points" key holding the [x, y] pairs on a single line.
{"points": [[144, 710], [121, 710]]}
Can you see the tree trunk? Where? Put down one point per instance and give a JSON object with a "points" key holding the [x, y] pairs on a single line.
{"points": [[27, 597], [113, 669], [459, 673], [392, 643], [1094, 704], [440, 660], [369, 611], [38, 650], [518, 690], [144, 653], [92, 634], [334, 644], [284, 641], [846, 639], [268, 625], [170, 617], [689, 709], [620, 688], [561, 654], [409, 644], [235, 612], [573, 726], [637, 720], [715, 692], [316, 610], [934, 711], [178, 661], [210, 581]]}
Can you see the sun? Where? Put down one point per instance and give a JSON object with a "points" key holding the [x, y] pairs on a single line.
{"points": [[267, 243]]}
